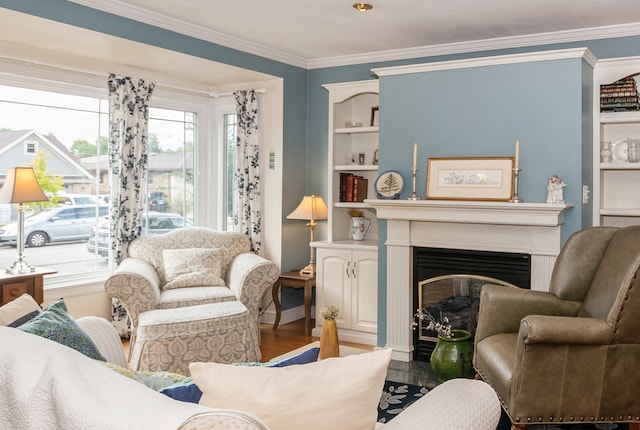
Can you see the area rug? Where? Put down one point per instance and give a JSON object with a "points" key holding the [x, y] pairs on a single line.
{"points": [[396, 397]]}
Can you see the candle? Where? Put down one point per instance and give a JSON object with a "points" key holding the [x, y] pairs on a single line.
{"points": [[517, 166], [415, 155]]}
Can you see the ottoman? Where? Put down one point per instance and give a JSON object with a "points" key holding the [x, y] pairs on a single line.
{"points": [[169, 339]]}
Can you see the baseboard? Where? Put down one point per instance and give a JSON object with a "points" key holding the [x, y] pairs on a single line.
{"points": [[286, 316]]}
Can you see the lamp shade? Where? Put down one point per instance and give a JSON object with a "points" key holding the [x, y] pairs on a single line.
{"points": [[310, 208], [21, 186]]}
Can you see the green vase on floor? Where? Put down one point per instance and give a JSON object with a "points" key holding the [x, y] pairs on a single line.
{"points": [[452, 356]]}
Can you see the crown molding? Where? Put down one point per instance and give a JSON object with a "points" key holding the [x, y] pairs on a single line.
{"points": [[119, 8], [608, 32], [528, 57]]}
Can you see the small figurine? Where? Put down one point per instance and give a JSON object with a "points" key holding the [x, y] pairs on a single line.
{"points": [[554, 190]]}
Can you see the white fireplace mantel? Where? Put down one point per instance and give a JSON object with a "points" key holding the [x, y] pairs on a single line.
{"points": [[531, 228], [540, 214]]}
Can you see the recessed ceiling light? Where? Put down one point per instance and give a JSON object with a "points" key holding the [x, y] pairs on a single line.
{"points": [[362, 7]]}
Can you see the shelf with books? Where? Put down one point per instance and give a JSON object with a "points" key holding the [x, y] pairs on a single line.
{"points": [[616, 201], [352, 155]]}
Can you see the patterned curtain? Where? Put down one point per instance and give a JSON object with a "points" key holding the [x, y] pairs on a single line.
{"points": [[248, 218], [128, 133]]}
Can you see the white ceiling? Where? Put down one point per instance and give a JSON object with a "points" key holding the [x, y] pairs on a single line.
{"points": [[309, 34], [303, 31]]}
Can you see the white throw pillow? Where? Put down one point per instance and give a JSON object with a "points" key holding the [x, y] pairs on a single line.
{"points": [[189, 267], [19, 311], [336, 393]]}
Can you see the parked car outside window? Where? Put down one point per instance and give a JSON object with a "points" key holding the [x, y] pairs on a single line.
{"points": [[61, 224], [78, 199], [153, 223], [158, 201]]}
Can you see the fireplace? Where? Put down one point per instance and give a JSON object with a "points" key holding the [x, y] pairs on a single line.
{"points": [[447, 282], [534, 229]]}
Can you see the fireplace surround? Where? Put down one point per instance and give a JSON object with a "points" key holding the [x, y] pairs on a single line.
{"points": [[528, 228]]}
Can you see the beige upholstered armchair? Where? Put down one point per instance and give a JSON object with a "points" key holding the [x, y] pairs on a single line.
{"points": [[190, 266], [571, 354]]}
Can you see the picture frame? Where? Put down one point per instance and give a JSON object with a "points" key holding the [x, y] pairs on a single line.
{"points": [[374, 116], [470, 178]]}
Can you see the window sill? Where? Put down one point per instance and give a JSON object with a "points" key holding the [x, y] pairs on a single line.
{"points": [[74, 285]]}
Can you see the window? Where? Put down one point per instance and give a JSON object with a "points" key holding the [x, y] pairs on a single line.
{"points": [[69, 130], [30, 146], [229, 133]]}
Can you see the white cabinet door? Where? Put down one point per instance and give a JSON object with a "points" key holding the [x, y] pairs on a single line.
{"points": [[333, 286], [349, 280], [365, 291]]}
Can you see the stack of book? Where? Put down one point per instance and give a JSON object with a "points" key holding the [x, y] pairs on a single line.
{"points": [[622, 95], [353, 188]]}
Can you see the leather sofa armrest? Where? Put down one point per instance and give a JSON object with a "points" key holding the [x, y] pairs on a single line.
{"points": [[250, 276], [543, 329], [136, 284], [502, 308]]}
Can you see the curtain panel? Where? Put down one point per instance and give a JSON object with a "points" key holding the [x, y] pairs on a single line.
{"points": [[248, 203], [128, 135]]}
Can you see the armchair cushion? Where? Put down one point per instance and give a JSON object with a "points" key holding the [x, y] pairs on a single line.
{"points": [[190, 267]]}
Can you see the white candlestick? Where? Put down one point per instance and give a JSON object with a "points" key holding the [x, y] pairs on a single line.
{"points": [[415, 155], [517, 162]]}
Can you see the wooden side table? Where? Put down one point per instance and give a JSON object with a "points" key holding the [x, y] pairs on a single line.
{"points": [[13, 286], [294, 279]]}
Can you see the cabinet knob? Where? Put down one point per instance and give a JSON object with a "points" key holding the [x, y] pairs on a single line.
{"points": [[353, 271], [348, 266], [14, 292]]}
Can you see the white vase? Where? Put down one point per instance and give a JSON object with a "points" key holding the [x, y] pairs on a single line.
{"points": [[359, 227]]}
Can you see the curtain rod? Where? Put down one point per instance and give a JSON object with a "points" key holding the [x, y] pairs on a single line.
{"points": [[100, 74]]}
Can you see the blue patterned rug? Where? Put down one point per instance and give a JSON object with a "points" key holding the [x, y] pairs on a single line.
{"points": [[396, 397]]}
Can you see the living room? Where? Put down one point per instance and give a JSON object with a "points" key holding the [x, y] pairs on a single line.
{"points": [[473, 103]]}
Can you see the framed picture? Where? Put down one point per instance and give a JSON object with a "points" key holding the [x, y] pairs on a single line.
{"points": [[470, 178], [374, 116]]}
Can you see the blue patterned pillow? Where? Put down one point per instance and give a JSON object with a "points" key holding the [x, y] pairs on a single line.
{"points": [[56, 324]]}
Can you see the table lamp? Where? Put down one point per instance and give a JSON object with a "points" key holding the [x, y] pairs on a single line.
{"points": [[21, 186], [311, 208]]}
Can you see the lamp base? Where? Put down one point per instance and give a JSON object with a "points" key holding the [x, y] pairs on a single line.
{"points": [[309, 270], [20, 267]]}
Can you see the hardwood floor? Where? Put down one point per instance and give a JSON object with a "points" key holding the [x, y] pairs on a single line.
{"points": [[277, 342], [289, 337]]}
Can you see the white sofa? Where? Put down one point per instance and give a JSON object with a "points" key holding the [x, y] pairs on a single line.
{"points": [[47, 385]]}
